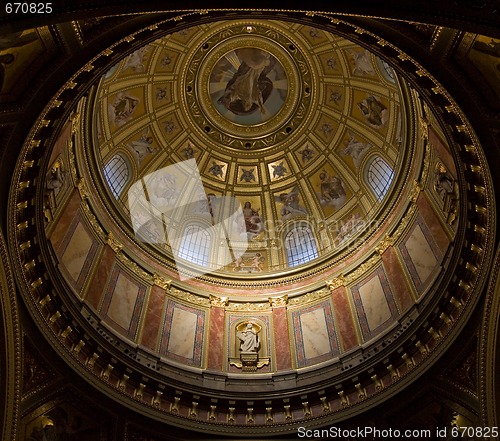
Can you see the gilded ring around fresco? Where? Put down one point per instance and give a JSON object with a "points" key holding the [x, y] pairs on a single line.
{"points": [[248, 87]]}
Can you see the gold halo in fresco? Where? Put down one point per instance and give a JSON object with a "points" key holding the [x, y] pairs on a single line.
{"points": [[248, 88]]}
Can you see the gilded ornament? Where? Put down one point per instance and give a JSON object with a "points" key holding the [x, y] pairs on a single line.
{"points": [[276, 302], [385, 243], [82, 188], [415, 190], [218, 302], [113, 243], [335, 283], [161, 282]]}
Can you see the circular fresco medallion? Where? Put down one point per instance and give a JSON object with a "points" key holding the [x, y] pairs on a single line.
{"points": [[245, 86], [248, 86]]}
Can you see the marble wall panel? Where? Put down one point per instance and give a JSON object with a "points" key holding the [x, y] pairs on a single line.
{"points": [[315, 335], [216, 338], [431, 219], [182, 336], [420, 254], [154, 312], [76, 253], [281, 339], [395, 275], [96, 287], [344, 319], [123, 302], [375, 304], [68, 215]]}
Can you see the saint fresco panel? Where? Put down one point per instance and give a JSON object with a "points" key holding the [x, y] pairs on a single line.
{"points": [[248, 86]]}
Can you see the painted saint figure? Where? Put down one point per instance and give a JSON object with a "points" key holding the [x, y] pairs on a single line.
{"points": [[249, 340], [331, 187], [253, 221], [373, 111], [250, 87], [355, 149]]}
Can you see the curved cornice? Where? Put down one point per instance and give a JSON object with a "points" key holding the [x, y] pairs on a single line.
{"points": [[10, 359]]}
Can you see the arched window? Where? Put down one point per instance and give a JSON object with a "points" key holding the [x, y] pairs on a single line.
{"points": [[300, 246], [195, 245], [117, 174], [380, 175]]}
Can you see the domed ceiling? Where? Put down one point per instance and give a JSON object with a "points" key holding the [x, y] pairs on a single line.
{"points": [[254, 202], [285, 119]]}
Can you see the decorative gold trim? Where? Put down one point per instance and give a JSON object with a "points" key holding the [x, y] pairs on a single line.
{"points": [[219, 302], [276, 302], [162, 282]]}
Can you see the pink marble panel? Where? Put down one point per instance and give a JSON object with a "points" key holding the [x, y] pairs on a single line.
{"points": [[97, 285], [152, 322], [398, 282], [216, 338], [281, 339], [442, 150], [61, 142], [344, 319], [432, 221], [64, 222]]}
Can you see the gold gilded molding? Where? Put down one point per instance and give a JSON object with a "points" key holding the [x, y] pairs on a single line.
{"points": [[248, 306], [134, 268], [188, 297], [218, 302], [94, 223], [415, 190], [278, 301], [309, 297], [161, 282], [113, 243], [82, 188], [385, 243], [335, 283]]}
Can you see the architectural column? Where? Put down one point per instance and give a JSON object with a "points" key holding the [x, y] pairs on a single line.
{"points": [[343, 315], [216, 332], [151, 330], [281, 335]]}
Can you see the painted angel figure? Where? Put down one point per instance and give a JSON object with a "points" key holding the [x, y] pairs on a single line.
{"points": [[291, 206], [374, 111], [143, 146], [250, 87], [355, 149], [135, 60], [362, 63], [123, 107], [257, 262], [332, 188]]}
